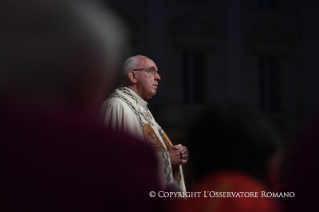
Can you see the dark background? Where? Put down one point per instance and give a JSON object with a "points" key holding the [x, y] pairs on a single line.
{"points": [[257, 52]]}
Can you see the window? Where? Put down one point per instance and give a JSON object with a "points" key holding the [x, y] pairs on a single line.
{"points": [[192, 71], [269, 84]]}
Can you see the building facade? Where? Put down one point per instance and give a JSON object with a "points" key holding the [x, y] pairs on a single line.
{"points": [[211, 51]]}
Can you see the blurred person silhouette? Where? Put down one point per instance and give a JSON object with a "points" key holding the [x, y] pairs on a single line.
{"points": [[235, 149], [303, 168], [58, 59]]}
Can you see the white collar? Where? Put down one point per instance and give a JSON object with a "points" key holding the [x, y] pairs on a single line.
{"points": [[140, 101]]}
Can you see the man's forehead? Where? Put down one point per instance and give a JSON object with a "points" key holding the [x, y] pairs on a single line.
{"points": [[146, 61]]}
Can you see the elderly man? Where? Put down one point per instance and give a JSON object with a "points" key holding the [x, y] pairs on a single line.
{"points": [[57, 63], [126, 110]]}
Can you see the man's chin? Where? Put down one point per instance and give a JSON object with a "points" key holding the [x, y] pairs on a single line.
{"points": [[151, 95], [154, 93]]}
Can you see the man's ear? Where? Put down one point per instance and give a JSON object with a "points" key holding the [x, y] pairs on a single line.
{"points": [[132, 76]]}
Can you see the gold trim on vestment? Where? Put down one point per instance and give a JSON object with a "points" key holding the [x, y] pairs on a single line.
{"points": [[151, 138], [167, 141]]}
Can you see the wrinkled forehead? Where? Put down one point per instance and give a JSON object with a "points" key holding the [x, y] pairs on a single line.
{"points": [[145, 62]]}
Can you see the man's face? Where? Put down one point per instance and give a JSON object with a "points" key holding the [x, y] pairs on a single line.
{"points": [[146, 82]]}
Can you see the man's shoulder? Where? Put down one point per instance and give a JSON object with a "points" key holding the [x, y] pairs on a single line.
{"points": [[113, 101], [114, 105]]}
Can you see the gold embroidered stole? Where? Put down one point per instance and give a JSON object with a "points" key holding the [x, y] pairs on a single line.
{"points": [[145, 119]]}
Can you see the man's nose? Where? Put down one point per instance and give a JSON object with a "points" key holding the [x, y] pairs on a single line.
{"points": [[157, 77]]}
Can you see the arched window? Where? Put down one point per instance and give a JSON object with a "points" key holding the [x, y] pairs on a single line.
{"points": [[269, 46], [194, 40]]}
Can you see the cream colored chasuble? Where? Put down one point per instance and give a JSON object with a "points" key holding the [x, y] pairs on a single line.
{"points": [[126, 111]]}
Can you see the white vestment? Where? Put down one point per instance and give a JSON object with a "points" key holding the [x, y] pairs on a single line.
{"points": [[125, 111]]}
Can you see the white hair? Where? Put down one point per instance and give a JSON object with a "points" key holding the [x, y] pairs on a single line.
{"points": [[46, 43], [129, 64]]}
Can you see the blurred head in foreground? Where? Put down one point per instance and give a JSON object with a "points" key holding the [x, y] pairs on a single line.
{"points": [[59, 50], [303, 168], [57, 64], [235, 149], [233, 137]]}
